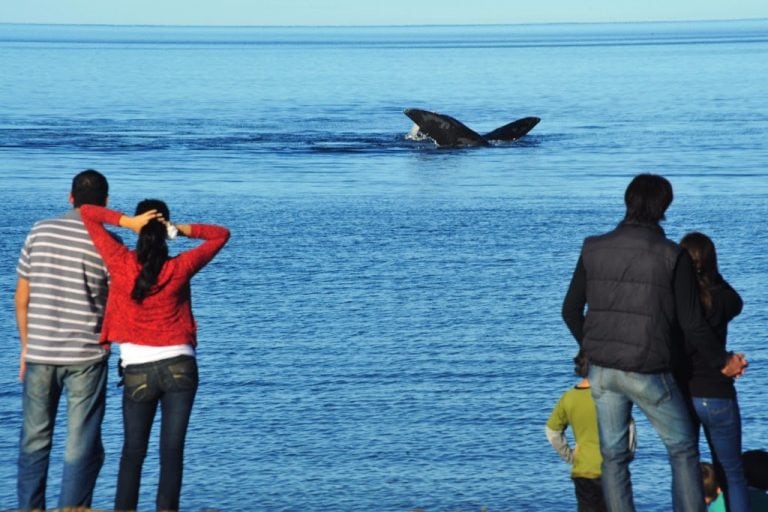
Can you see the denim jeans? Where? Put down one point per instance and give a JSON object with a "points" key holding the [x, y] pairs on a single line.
{"points": [[657, 395], [85, 387], [171, 383], [721, 420]]}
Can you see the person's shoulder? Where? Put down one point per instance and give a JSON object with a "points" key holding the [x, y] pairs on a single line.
{"points": [[69, 220], [598, 237], [69, 216], [574, 399], [719, 284], [576, 392], [68, 226], [604, 234], [672, 250], [52, 222]]}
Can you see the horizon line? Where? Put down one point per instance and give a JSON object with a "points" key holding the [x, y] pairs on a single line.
{"points": [[392, 25]]}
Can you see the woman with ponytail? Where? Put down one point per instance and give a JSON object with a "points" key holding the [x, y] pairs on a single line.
{"points": [[712, 394], [149, 315]]}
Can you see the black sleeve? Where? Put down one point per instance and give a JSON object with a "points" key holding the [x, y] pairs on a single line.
{"points": [[574, 302], [699, 336], [732, 303]]}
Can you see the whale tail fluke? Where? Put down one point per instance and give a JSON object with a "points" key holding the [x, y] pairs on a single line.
{"points": [[513, 130], [444, 130], [447, 131]]}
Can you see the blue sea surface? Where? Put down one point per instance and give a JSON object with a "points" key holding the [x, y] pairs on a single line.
{"points": [[383, 330]]}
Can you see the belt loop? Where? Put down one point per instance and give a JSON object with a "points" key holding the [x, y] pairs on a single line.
{"points": [[120, 373]]}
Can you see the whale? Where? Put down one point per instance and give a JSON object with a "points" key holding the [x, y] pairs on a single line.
{"points": [[449, 132]]}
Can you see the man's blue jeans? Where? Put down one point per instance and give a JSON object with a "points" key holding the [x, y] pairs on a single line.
{"points": [[172, 383], [85, 387], [657, 395], [722, 427]]}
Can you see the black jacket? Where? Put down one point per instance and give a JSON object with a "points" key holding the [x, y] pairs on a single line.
{"points": [[638, 288], [705, 381]]}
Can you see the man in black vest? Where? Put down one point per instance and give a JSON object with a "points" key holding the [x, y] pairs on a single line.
{"points": [[639, 288]]}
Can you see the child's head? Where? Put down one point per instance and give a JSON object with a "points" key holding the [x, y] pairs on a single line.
{"points": [[711, 487]]}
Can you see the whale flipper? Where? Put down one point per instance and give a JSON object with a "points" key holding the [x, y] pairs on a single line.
{"points": [[513, 130], [445, 130]]}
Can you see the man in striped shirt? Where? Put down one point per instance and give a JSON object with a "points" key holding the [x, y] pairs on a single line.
{"points": [[60, 299]]}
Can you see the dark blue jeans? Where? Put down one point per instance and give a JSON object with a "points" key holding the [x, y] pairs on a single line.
{"points": [[721, 420], [171, 383], [85, 388]]}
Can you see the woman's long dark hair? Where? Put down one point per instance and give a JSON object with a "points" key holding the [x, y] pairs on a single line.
{"points": [[151, 248], [702, 251]]}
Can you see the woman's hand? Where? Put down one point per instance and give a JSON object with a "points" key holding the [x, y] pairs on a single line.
{"points": [[735, 365], [137, 222]]}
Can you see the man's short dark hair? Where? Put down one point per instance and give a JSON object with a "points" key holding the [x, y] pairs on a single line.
{"points": [[647, 198], [89, 187]]}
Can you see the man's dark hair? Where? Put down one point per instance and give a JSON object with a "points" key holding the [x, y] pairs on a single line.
{"points": [[89, 187], [647, 198]]}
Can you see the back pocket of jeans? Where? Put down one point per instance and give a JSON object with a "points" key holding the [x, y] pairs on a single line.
{"points": [[184, 374], [136, 386], [655, 388]]}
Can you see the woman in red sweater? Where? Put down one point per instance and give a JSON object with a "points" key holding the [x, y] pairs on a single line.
{"points": [[149, 314]]}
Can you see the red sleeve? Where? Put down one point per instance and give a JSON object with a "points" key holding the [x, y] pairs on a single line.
{"points": [[94, 218], [195, 259]]}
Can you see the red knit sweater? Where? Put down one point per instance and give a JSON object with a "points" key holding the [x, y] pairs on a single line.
{"points": [[165, 316]]}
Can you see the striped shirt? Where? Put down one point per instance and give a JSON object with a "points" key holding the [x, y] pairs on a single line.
{"points": [[68, 292]]}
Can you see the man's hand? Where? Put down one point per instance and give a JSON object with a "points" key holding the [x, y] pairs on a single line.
{"points": [[735, 366]]}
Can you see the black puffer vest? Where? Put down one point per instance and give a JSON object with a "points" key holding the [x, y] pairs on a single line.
{"points": [[630, 298]]}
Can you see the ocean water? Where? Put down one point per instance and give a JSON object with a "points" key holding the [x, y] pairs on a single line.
{"points": [[383, 330]]}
